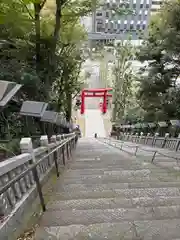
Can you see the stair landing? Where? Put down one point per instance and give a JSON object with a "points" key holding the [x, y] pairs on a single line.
{"points": [[107, 194]]}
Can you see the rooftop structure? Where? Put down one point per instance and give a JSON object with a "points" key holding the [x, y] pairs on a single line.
{"points": [[7, 91]]}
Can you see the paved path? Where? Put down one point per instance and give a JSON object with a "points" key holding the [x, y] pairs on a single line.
{"points": [[107, 194], [94, 123], [93, 117]]}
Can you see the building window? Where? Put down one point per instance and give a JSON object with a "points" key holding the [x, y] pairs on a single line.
{"points": [[118, 24], [111, 25], [99, 14], [156, 2], [106, 23], [108, 5], [125, 24], [100, 29], [144, 25], [146, 12], [134, 3], [147, 3], [99, 21], [132, 24], [114, 3], [107, 14], [141, 4], [138, 25]]}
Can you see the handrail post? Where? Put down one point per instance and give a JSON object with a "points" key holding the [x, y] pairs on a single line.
{"points": [[141, 136], [121, 145], [137, 136], [165, 140], [55, 155], [44, 143], [148, 135], [154, 139], [63, 155], [153, 157], [70, 146], [136, 150], [177, 143], [56, 162], [67, 149], [39, 189]]}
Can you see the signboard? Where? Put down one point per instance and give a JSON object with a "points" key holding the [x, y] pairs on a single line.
{"points": [[33, 108], [162, 124], [175, 123], [49, 116]]}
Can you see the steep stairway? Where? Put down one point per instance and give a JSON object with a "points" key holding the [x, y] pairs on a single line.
{"points": [[107, 194]]}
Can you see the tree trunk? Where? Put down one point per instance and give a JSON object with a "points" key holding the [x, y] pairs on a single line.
{"points": [[69, 107], [37, 9], [57, 27]]}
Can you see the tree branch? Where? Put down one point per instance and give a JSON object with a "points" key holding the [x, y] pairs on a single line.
{"points": [[27, 9], [42, 4]]}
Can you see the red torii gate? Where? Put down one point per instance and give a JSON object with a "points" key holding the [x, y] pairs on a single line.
{"points": [[97, 92]]}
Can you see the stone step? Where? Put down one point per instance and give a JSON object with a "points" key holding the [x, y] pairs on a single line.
{"points": [[136, 164], [125, 193], [114, 186], [115, 172], [148, 230], [109, 165], [140, 166], [112, 203], [91, 216], [104, 159], [103, 179]]}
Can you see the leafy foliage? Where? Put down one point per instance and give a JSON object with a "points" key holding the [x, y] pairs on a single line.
{"points": [[40, 47], [123, 79], [159, 92]]}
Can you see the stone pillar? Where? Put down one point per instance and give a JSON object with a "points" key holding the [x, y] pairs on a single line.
{"points": [[137, 136], [165, 140], [45, 143], [58, 138], [53, 139], [141, 136], [148, 135], [27, 147], [156, 135], [128, 134]]}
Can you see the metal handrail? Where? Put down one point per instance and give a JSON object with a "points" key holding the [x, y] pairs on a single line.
{"points": [[139, 147], [33, 169]]}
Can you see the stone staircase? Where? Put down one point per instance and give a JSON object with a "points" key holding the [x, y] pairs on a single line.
{"points": [[107, 194]]}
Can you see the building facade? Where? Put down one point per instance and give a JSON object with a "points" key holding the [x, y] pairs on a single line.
{"points": [[109, 24]]}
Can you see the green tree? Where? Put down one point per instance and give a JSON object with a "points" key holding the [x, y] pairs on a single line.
{"points": [[161, 48], [39, 48], [123, 78]]}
